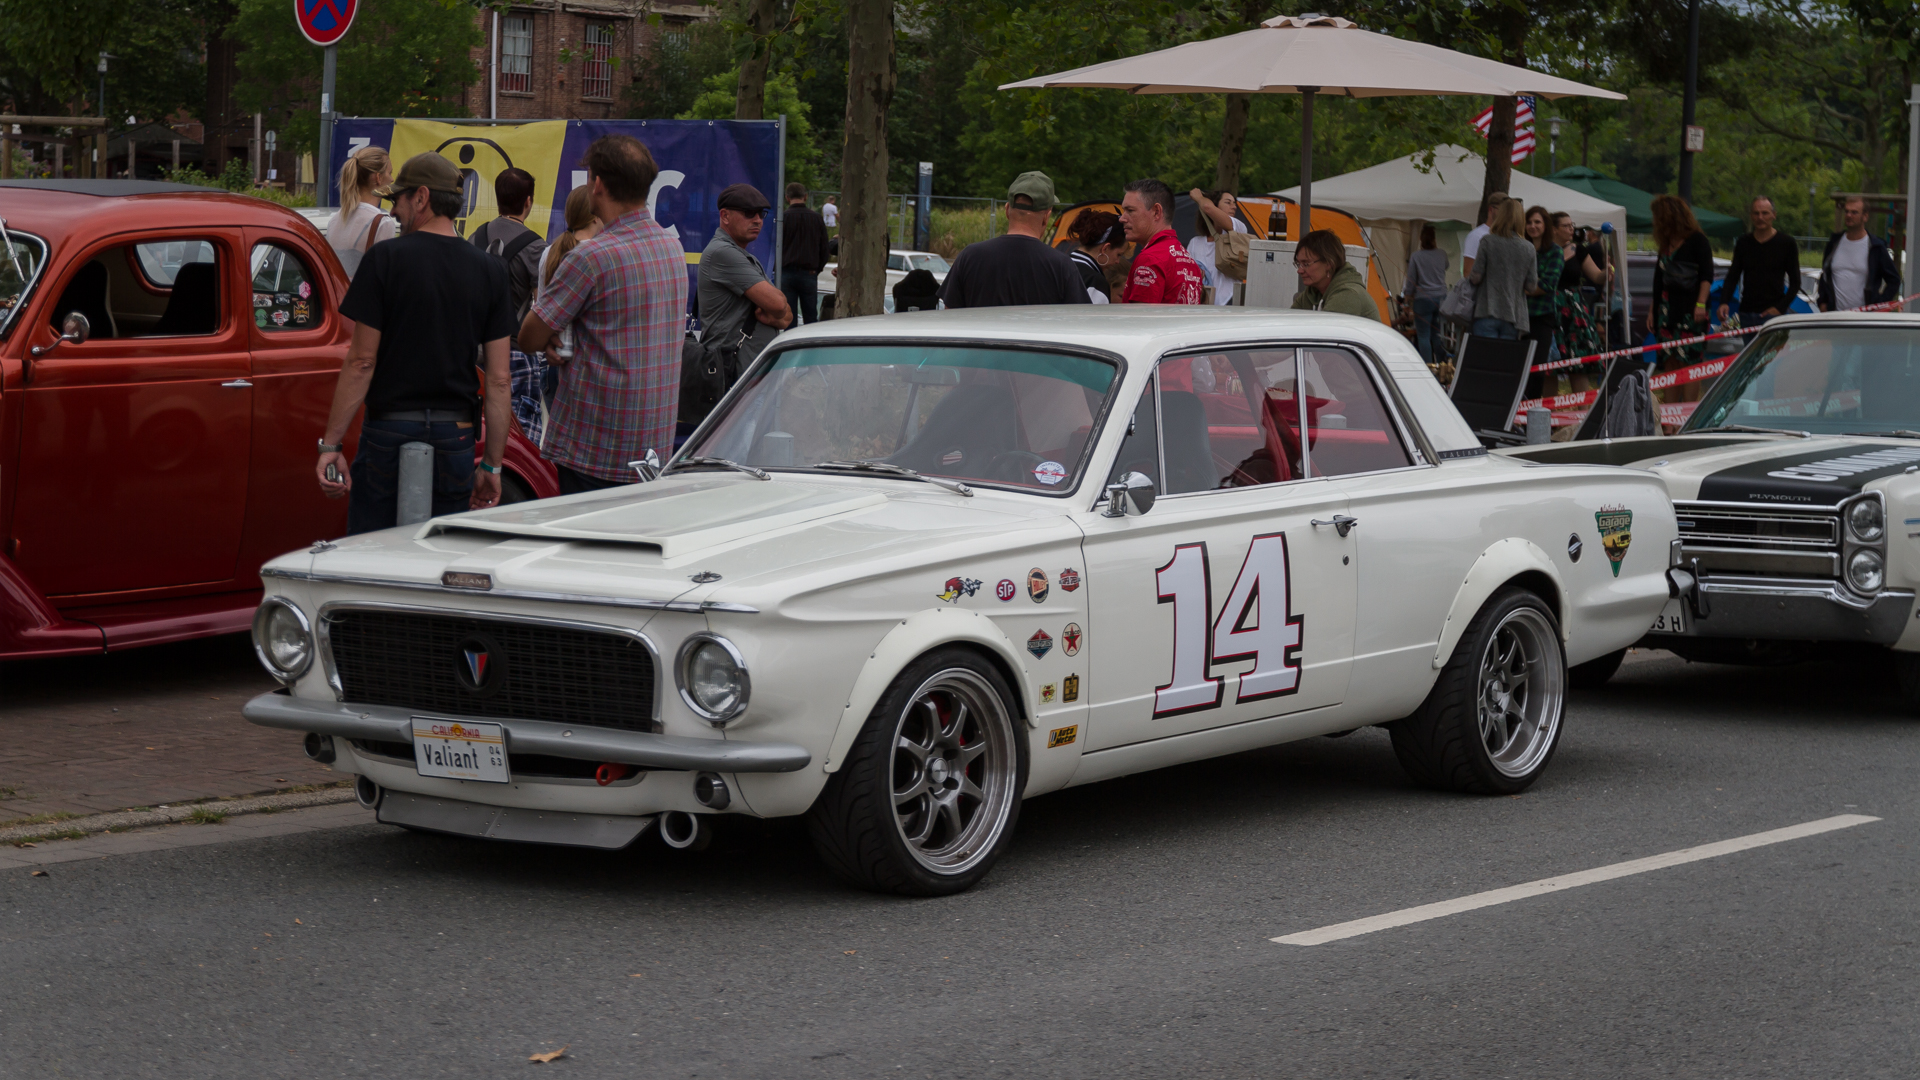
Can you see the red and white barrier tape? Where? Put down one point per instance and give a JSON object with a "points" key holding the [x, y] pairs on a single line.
{"points": [[1679, 343]]}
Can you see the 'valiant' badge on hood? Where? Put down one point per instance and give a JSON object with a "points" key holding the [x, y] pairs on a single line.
{"points": [[1616, 532]]}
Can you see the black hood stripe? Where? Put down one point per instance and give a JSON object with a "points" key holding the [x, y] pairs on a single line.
{"points": [[1822, 477]]}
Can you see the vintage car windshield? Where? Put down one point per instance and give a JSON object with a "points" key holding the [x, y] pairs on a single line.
{"points": [[1824, 379], [1016, 417], [20, 265]]}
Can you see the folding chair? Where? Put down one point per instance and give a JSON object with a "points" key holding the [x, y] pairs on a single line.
{"points": [[1489, 377]]}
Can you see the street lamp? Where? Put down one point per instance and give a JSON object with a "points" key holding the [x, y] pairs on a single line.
{"points": [[1553, 144], [104, 57]]}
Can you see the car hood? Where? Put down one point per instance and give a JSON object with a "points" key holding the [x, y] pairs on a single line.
{"points": [[699, 538], [1737, 467]]}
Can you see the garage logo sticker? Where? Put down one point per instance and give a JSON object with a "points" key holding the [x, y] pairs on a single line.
{"points": [[1616, 532]]}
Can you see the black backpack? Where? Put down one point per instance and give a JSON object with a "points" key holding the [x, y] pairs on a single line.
{"points": [[509, 255]]}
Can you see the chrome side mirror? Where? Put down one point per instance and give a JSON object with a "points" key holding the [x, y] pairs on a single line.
{"points": [[1133, 494], [647, 468], [74, 328]]}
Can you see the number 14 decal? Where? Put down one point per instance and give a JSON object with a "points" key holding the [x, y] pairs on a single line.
{"points": [[1245, 630]]}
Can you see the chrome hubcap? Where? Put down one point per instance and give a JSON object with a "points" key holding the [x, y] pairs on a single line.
{"points": [[1521, 692], [953, 771]]}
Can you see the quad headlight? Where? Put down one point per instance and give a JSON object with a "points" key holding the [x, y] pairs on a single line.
{"points": [[282, 638], [1867, 520], [712, 677], [1866, 571]]}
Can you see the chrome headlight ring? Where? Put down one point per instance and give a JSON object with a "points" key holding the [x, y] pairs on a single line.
{"points": [[702, 648], [270, 616], [1866, 519]]}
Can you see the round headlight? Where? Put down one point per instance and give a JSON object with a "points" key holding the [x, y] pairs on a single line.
{"points": [[1866, 521], [282, 639], [713, 678], [1866, 572]]}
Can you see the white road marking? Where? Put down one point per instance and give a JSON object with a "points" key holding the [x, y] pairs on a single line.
{"points": [[1568, 881]]}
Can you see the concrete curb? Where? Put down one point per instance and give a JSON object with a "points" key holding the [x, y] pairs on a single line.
{"points": [[175, 814]]}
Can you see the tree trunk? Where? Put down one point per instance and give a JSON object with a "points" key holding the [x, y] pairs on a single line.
{"points": [[863, 159], [222, 74], [1233, 142], [750, 96], [1512, 21]]}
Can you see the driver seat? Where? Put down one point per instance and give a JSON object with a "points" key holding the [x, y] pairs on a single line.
{"points": [[977, 419]]}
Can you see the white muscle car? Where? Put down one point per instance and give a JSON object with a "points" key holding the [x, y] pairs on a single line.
{"points": [[1797, 483], [912, 571]]}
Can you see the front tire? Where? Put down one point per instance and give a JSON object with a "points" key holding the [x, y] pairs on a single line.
{"points": [[929, 792], [1492, 720]]}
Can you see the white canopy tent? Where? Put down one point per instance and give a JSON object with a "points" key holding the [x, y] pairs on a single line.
{"points": [[1392, 199]]}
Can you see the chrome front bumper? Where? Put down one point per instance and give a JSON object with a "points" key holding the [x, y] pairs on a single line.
{"points": [[380, 723], [1789, 609]]}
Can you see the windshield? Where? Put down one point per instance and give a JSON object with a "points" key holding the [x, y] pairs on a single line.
{"points": [[1013, 417], [932, 263], [20, 264], [1823, 379]]}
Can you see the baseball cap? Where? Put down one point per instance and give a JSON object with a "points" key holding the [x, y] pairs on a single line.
{"points": [[1033, 190], [428, 170], [743, 197]]}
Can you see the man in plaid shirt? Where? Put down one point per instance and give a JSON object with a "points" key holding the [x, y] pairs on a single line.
{"points": [[625, 293]]}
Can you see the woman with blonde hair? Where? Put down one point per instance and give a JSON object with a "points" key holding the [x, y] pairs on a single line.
{"points": [[1681, 280], [535, 381], [1505, 270], [360, 223]]}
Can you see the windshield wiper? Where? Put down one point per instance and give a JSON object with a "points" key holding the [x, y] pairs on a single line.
{"points": [[720, 462], [1755, 430], [1896, 433], [954, 486]]}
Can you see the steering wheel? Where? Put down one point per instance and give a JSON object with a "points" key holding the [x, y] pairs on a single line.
{"points": [[1013, 466]]}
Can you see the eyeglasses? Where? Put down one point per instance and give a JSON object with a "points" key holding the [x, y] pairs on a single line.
{"points": [[1302, 264]]}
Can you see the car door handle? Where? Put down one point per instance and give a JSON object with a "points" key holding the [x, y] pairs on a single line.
{"points": [[1341, 523], [242, 384]]}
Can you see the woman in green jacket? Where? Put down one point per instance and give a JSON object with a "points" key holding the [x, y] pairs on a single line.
{"points": [[1327, 281]]}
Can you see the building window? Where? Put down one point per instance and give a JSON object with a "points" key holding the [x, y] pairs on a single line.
{"points": [[597, 80], [516, 54]]}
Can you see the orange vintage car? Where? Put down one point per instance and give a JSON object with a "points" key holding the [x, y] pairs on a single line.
{"points": [[155, 450]]}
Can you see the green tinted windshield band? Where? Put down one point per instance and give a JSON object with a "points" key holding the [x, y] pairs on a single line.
{"points": [[1094, 375]]}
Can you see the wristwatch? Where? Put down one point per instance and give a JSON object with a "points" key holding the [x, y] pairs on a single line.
{"points": [[494, 469], [329, 448]]}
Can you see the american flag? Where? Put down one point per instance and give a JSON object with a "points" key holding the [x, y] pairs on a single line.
{"points": [[1522, 127]]}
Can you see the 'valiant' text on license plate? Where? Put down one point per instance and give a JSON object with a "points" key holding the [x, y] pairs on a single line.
{"points": [[460, 750]]}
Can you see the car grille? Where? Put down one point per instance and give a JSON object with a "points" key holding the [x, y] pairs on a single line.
{"points": [[1760, 540], [418, 661]]}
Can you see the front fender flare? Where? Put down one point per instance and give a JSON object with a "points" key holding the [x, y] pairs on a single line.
{"points": [[1503, 561], [914, 636]]}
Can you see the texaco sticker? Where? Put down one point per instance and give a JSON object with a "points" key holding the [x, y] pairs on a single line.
{"points": [[1070, 639]]}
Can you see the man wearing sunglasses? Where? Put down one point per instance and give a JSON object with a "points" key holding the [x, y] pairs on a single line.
{"points": [[735, 294]]}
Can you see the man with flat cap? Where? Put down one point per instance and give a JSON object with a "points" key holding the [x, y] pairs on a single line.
{"points": [[737, 301], [425, 306], [1017, 267]]}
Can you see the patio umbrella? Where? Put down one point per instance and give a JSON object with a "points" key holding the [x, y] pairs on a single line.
{"points": [[1309, 55]]}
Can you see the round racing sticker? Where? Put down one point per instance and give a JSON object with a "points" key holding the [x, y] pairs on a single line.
{"points": [[1005, 590], [1049, 472]]}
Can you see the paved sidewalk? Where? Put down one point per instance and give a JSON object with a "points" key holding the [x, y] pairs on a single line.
{"points": [[141, 728], [178, 836]]}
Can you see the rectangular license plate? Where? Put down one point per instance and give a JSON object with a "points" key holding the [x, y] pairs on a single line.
{"points": [[1673, 620], [460, 750]]}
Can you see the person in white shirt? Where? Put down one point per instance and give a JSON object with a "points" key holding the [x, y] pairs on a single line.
{"points": [[830, 214], [1470, 247], [1218, 209], [360, 223]]}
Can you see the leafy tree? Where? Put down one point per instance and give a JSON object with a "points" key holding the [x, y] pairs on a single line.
{"points": [[781, 98], [50, 49]]}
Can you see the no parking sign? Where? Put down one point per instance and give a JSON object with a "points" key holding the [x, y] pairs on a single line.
{"points": [[324, 22]]}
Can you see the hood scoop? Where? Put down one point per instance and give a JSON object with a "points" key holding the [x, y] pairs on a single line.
{"points": [[676, 519]]}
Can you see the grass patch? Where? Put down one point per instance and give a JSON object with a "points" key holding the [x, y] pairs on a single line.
{"points": [[39, 819], [203, 816], [950, 230]]}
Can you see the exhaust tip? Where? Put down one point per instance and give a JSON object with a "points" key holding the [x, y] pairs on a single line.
{"points": [[367, 792], [319, 747], [711, 791], [683, 831]]}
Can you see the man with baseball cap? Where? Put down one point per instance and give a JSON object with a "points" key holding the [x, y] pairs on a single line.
{"points": [[1017, 267], [426, 306], [736, 298]]}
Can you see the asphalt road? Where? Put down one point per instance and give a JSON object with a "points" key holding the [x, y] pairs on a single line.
{"points": [[1126, 935]]}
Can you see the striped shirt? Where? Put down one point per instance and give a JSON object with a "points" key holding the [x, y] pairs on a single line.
{"points": [[625, 294]]}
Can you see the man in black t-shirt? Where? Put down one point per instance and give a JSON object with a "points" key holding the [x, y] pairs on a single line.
{"points": [[425, 306], [1765, 269], [1017, 268]]}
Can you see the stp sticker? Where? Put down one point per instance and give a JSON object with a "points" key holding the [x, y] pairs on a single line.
{"points": [[1049, 472], [1040, 644], [1006, 590], [1070, 688], [1070, 639], [957, 588], [1046, 694], [1069, 579], [1037, 585], [1061, 736]]}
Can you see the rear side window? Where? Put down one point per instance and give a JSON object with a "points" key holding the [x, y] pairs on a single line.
{"points": [[284, 294], [161, 261]]}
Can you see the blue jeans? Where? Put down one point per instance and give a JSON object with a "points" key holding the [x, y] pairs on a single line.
{"points": [[1423, 312], [802, 289], [374, 502], [1487, 326]]}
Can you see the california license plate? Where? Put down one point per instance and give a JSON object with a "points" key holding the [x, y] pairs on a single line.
{"points": [[1673, 620], [460, 750]]}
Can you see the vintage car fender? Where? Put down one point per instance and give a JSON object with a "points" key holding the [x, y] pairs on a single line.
{"points": [[915, 635], [1503, 561]]}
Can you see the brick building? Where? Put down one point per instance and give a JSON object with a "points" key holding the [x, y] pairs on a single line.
{"points": [[570, 59]]}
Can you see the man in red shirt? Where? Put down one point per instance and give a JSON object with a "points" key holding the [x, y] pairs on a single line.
{"points": [[1163, 272]]}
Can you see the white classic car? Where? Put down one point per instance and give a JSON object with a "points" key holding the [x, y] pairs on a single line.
{"points": [[1797, 483], [900, 263], [912, 571]]}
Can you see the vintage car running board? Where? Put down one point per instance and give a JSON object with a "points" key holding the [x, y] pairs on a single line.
{"points": [[380, 723]]}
